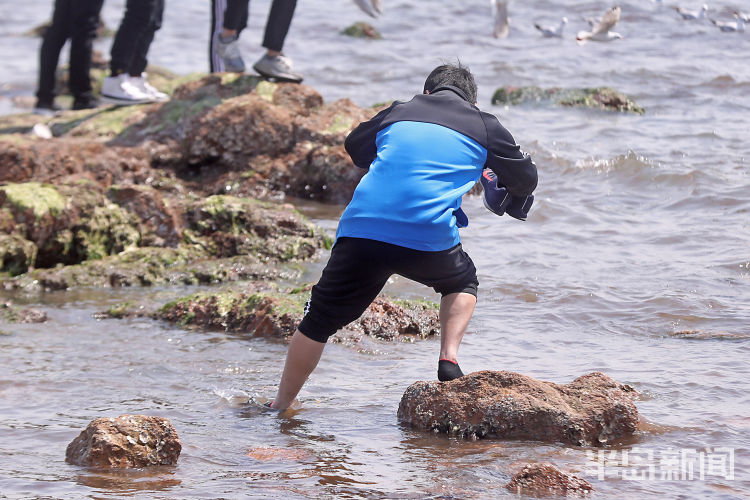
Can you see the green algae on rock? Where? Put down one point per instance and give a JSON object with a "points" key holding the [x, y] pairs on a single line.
{"points": [[132, 236], [362, 29], [603, 98], [262, 310]]}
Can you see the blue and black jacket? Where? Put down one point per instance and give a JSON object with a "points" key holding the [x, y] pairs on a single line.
{"points": [[423, 156]]}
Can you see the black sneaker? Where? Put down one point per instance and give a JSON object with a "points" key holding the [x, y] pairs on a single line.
{"points": [[47, 108], [85, 101]]}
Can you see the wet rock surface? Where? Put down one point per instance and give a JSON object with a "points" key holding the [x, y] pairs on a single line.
{"points": [[262, 310], [543, 479], [69, 235], [603, 98], [593, 410], [127, 441]]}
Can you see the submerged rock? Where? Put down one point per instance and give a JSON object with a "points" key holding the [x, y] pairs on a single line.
{"points": [[13, 314], [603, 98], [362, 29], [125, 442], [543, 479], [592, 410], [266, 311]]}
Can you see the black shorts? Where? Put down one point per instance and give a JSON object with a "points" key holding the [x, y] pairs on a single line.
{"points": [[358, 270]]}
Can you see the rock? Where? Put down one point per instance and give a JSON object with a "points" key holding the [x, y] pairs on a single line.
{"points": [[12, 314], [17, 254], [361, 29], [603, 98], [266, 311], [161, 225], [543, 479], [593, 410], [256, 137], [127, 441]]}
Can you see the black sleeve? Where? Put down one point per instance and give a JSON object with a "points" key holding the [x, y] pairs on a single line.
{"points": [[514, 169], [360, 143]]}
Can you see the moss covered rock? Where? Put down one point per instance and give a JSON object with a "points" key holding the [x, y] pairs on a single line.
{"points": [[17, 254], [268, 311], [603, 98], [362, 29]]}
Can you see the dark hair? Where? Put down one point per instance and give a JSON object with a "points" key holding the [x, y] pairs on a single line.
{"points": [[457, 76]]}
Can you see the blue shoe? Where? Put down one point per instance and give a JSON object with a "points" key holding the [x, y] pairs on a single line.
{"points": [[496, 197], [499, 201]]}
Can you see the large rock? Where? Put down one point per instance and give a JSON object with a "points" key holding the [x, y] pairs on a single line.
{"points": [[543, 479], [218, 132], [125, 442], [592, 410]]}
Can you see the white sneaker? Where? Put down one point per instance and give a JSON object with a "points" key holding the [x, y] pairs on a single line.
{"points": [[120, 89], [141, 82]]}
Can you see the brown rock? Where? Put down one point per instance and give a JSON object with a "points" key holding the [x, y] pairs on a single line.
{"points": [[591, 410], [160, 224], [125, 441], [545, 479]]}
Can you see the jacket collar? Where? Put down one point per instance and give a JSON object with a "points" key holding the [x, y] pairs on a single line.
{"points": [[456, 90]]}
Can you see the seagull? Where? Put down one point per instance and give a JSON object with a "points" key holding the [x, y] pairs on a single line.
{"points": [[553, 31], [372, 8], [502, 26], [692, 15], [744, 17], [601, 32], [731, 26]]}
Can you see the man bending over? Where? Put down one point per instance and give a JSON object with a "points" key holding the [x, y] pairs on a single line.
{"points": [[423, 156]]}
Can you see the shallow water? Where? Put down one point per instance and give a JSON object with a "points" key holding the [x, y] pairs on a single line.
{"points": [[635, 261]]}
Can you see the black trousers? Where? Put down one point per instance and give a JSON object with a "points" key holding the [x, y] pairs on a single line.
{"points": [[129, 53], [76, 20], [359, 268], [233, 15]]}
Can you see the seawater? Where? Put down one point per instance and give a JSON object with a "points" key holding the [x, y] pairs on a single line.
{"points": [[635, 261]]}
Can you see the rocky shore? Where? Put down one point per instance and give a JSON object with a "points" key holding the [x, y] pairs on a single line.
{"points": [[191, 191]]}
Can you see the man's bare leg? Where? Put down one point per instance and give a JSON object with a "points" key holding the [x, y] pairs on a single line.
{"points": [[455, 312], [301, 359]]}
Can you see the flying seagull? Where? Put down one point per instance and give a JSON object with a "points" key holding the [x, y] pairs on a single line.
{"points": [[601, 31], [500, 10], [553, 31], [372, 8], [692, 15], [731, 26]]}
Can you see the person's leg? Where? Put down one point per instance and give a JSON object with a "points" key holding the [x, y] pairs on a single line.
{"points": [[228, 19], [135, 22], [301, 359], [456, 310], [452, 274], [274, 64], [277, 26], [83, 31], [49, 55], [352, 278], [143, 44]]}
